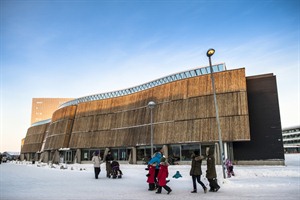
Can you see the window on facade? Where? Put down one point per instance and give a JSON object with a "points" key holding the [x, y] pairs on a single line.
{"points": [[188, 150], [144, 153], [174, 153], [87, 154]]}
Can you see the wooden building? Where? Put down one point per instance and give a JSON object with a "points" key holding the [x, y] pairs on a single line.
{"points": [[184, 120]]}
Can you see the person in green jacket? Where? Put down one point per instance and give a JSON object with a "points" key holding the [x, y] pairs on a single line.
{"points": [[211, 174], [196, 171]]}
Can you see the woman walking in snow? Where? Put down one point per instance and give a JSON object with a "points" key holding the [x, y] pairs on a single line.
{"points": [[96, 161], [211, 174], [108, 159], [196, 171], [162, 175]]}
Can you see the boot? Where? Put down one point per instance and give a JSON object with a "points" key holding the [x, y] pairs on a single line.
{"points": [[158, 190], [168, 189], [194, 191]]}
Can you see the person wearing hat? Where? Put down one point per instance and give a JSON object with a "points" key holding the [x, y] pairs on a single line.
{"points": [[196, 171], [162, 176], [96, 161]]}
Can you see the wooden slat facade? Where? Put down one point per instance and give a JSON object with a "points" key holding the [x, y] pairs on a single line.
{"points": [[34, 138], [184, 113], [60, 128]]}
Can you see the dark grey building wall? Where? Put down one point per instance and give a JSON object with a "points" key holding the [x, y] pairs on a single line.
{"points": [[265, 125]]}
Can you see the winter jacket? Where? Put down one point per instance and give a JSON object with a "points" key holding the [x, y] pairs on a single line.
{"points": [[228, 163], [196, 165], [211, 167], [155, 159], [109, 158], [96, 161], [151, 174], [163, 174]]}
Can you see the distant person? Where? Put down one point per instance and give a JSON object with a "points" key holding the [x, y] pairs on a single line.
{"points": [[96, 161], [211, 174], [196, 171], [108, 159], [229, 168], [162, 176]]}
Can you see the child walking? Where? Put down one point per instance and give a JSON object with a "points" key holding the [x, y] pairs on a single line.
{"points": [[229, 167], [162, 175], [151, 177]]}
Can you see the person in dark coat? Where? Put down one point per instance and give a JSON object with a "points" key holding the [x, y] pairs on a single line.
{"points": [[108, 159], [162, 176], [211, 174], [196, 171]]}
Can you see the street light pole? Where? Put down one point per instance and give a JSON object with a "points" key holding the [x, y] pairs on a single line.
{"points": [[209, 53], [151, 105]]}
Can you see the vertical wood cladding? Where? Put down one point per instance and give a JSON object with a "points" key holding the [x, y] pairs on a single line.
{"points": [[60, 128], [265, 125], [184, 112], [34, 138]]}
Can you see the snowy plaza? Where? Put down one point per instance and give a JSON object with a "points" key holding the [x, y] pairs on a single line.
{"points": [[39, 181]]}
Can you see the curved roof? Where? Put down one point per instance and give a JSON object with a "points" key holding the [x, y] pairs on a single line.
{"points": [[167, 79]]}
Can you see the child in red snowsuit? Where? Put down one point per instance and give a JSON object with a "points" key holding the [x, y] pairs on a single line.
{"points": [[151, 177], [162, 175]]}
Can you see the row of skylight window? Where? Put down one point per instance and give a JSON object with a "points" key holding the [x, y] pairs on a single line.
{"points": [[41, 122], [157, 82]]}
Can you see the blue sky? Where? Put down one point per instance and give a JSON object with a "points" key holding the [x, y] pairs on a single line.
{"points": [[74, 48]]}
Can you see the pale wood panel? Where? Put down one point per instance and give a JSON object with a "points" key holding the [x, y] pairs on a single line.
{"points": [[34, 138], [184, 112]]}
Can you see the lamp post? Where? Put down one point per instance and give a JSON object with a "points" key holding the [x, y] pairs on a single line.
{"points": [[151, 105], [209, 53]]}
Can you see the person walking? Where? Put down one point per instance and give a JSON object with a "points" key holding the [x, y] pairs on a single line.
{"points": [[151, 176], [162, 176], [108, 159], [211, 174], [196, 171], [96, 161], [156, 159], [229, 168]]}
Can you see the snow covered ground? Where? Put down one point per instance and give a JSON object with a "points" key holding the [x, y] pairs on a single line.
{"points": [[25, 181]]}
